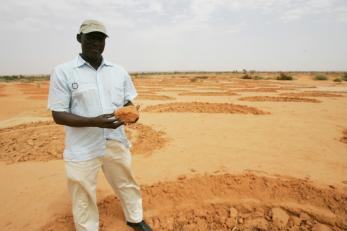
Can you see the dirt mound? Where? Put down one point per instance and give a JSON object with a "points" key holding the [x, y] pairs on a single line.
{"points": [[208, 93], [209, 87], [279, 99], [256, 90], [36, 91], [201, 107], [40, 141], [33, 88], [2, 86], [227, 202], [311, 94], [344, 136], [173, 90], [44, 141], [144, 139], [148, 91], [38, 97], [154, 97]]}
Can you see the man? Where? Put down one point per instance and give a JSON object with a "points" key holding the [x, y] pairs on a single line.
{"points": [[83, 95]]}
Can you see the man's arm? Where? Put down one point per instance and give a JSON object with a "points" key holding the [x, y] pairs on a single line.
{"points": [[72, 120]]}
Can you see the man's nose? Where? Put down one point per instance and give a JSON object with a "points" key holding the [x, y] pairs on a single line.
{"points": [[97, 42]]}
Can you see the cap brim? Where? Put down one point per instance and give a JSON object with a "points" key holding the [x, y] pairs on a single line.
{"points": [[93, 30]]}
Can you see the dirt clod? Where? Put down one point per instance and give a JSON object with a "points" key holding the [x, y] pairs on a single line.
{"points": [[320, 227], [127, 114], [279, 217]]}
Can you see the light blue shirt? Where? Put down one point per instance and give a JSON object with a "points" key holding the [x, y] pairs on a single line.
{"points": [[76, 87]]}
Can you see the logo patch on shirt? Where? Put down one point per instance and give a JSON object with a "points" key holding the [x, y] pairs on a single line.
{"points": [[74, 85]]}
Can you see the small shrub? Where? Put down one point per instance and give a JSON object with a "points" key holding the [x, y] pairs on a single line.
{"points": [[344, 77], [320, 77], [337, 80], [283, 76], [246, 76], [201, 77], [257, 77]]}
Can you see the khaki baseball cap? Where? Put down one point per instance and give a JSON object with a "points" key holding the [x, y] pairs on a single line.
{"points": [[91, 25]]}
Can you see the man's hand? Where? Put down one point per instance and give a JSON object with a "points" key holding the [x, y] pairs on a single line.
{"points": [[107, 121]]}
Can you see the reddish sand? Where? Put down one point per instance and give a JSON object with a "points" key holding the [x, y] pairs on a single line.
{"points": [[145, 139], [262, 89], [44, 141], [227, 202], [209, 93], [208, 163], [154, 97], [202, 107], [311, 94], [2, 86], [279, 99], [344, 136]]}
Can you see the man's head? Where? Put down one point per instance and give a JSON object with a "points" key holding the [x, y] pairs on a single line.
{"points": [[92, 35]]}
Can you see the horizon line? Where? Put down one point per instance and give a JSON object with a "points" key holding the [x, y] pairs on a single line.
{"points": [[196, 71]]}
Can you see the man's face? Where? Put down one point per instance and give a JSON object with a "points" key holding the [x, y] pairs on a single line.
{"points": [[93, 44]]}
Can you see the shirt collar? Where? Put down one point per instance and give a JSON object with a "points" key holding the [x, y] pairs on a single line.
{"points": [[80, 62], [106, 63]]}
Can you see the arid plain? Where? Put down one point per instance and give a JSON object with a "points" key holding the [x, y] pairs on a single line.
{"points": [[212, 151]]}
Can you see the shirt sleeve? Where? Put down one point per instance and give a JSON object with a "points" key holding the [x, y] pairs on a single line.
{"points": [[129, 89], [59, 93]]}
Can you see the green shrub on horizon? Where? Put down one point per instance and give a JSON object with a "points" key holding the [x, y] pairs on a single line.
{"points": [[284, 76], [344, 77], [320, 77], [22, 78], [256, 77], [246, 76], [8, 78]]}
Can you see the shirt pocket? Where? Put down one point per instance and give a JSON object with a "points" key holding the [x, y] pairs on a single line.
{"points": [[85, 100], [117, 96]]}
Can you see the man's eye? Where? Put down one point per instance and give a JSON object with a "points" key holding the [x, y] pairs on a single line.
{"points": [[94, 39]]}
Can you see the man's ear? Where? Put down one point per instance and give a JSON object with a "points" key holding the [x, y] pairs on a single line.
{"points": [[78, 37]]}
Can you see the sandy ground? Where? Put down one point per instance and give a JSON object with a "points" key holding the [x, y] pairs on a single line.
{"points": [[211, 153]]}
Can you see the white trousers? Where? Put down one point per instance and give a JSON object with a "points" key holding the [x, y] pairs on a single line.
{"points": [[82, 177]]}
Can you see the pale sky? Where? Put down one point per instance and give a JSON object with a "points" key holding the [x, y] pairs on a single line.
{"points": [[179, 35]]}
